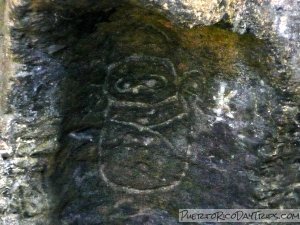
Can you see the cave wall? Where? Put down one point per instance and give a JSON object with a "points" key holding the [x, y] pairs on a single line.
{"points": [[29, 119], [39, 108], [274, 20]]}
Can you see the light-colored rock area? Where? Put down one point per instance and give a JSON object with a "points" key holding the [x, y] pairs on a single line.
{"points": [[29, 115], [275, 20], [195, 12], [27, 135]]}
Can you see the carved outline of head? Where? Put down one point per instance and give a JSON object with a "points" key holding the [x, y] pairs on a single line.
{"points": [[172, 97], [142, 88]]}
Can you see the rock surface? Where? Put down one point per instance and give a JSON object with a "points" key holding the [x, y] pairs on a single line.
{"points": [[275, 20], [197, 117]]}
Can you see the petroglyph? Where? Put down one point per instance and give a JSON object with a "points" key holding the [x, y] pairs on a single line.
{"points": [[143, 145]]}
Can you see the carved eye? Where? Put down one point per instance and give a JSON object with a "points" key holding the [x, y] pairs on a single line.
{"points": [[144, 83], [154, 81], [141, 79], [124, 85], [150, 83]]}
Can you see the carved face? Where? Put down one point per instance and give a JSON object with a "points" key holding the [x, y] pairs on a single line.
{"points": [[135, 156], [141, 79]]}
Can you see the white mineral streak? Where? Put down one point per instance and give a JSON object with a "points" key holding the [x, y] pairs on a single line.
{"points": [[222, 100]]}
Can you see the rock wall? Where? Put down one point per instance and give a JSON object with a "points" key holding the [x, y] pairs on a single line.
{"points": [[54, 56], [29, 120], [275, 20]]}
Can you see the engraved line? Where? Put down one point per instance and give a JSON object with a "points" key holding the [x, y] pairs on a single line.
{"points": [[144, 128], [115, 102], [142, 191], [165, 61], [106, 110], [178, 117], [191, 72]]}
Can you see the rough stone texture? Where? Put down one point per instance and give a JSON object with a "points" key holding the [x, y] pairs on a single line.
{"points": [[275, 20], [28, 120], [58, 121], [195, 12], [279, 22]]}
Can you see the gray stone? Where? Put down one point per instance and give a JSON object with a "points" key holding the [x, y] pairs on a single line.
{"points": [[122, 113]]}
